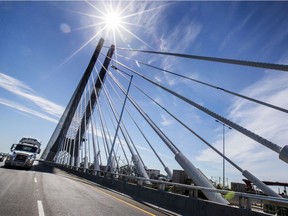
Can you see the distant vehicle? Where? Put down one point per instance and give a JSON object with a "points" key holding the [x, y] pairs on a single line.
{"points": [[24, 153], [2, 157]]}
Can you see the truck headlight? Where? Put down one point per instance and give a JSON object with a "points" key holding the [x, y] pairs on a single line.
{"points": [[30, 157]]}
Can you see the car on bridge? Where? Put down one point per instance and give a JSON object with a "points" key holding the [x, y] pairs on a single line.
{"points": [[2, 157]]}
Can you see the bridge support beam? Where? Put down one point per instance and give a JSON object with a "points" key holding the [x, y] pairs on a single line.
{"points": [[199, 178], [260, 184], [66, 119], [93, 98], [283, 155], [140, 167]]}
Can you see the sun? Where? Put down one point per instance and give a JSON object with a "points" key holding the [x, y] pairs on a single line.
{"points": [[112, 20]]}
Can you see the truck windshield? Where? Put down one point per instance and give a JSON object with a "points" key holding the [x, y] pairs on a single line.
{"points": [[31, 149]]}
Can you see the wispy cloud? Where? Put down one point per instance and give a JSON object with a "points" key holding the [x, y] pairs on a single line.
{"points": [[182, 38], [178, 40], [24, 109], [235, 30], [166, 121], [266, 122], [19, 88], [150, 151]]}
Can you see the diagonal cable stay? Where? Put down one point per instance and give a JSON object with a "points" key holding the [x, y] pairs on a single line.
{"points": [[213, 86], [282, 151], [272, 66]]}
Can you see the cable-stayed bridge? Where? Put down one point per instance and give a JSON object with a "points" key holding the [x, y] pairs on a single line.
{"points": [[98, 134]]}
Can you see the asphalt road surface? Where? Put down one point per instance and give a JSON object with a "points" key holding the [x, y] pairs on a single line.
{"points": [[49, 191]]}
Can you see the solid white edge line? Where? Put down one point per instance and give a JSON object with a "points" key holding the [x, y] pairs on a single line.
{"points": [[40, 208], [35, 179]]}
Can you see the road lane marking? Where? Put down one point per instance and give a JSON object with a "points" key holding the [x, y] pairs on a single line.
{"points": [[35, 179], [40, 208]]}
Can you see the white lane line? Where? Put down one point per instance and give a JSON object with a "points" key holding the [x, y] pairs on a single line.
{"points": [[35, 179], [40, 208]]}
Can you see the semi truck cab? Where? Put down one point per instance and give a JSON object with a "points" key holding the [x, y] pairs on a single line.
{"points": [[24, 153]]}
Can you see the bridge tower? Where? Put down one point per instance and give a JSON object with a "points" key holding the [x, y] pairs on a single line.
{"points": [[61, 129]]}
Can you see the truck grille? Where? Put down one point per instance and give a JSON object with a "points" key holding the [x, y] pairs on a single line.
{"points": [[20, 158]]}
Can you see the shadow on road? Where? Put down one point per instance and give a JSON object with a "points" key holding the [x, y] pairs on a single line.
{"points": [[40, 167], [37, 167]]}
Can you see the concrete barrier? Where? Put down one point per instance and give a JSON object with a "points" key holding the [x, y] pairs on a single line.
{"points": [[179, 204]]}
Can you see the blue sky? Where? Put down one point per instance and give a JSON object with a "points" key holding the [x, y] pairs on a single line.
{"points": [[46, 47]]}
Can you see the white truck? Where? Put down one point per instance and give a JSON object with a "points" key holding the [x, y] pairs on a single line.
{"points": [[24, 153]]}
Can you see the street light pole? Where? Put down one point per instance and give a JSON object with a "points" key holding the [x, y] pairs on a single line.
{"points": [[224, 125]]}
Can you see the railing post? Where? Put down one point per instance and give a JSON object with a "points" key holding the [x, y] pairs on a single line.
{"points": [[249, 203], [193, 193], [140, 182], [240, 202], [161, 186]]}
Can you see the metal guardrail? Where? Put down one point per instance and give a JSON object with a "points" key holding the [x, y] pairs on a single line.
{"points": [[253, 202]]}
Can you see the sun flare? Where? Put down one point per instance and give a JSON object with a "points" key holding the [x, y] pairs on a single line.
{"points": [[112, 20]]}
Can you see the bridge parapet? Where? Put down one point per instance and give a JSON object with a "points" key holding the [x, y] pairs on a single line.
{"points": [[190, 203]]}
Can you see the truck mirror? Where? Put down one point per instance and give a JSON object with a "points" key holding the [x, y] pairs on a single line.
{"points": [[38, 151], [12, 147]]}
